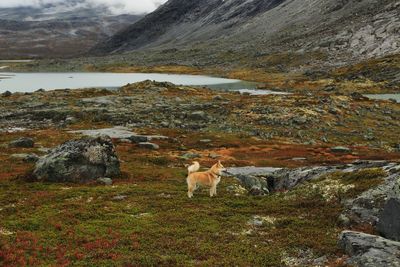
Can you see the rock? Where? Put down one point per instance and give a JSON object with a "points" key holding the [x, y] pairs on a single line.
{"points": [[358, 97], [330, 88], [367, 207], [389, 220], [23, 142], [70, 120], [218, 98], [343, 220], [340, 149], [105, 181], [198, 116], [263, 171], [397, 147], [115, 133], [119, 197], [369, 250], [214, 156], [79, 161], [6, 94], [138, 138], [256, 186], [191, 155], [148, 145], [205, 141], [258, 191], [258, 221], [286, 179], [28, 158]]}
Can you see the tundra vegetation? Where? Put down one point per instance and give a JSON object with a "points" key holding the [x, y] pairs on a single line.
{"points": [[145, 217]]}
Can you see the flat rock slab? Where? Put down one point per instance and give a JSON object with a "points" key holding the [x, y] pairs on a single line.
{"points": [[114, 133], [119, 132], [370, 250], [257, 171]]}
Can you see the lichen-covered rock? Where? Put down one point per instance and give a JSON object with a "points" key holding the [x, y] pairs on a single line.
{"points": [[369, 250], [366, 208], [255, 185], [79, 161]]}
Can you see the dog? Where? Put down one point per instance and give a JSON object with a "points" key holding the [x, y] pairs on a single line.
{"points": [[210, 178]]}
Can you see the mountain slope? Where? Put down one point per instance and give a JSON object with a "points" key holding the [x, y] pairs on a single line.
{"points": [[345, 29], [56, 30]]}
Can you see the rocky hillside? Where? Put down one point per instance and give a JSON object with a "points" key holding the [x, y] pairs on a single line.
{"points": [[339, 30], [54, 31]]}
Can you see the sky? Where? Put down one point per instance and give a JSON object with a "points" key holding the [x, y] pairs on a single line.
{"points": [[115, 6]]}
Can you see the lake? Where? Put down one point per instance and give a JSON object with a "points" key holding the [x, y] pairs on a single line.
{"points": [[30, 82], [385, 97]]}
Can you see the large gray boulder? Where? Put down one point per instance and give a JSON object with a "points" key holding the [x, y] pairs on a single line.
{"points": [[367, 207], [389, 220], [369, 250], [79, 161]]}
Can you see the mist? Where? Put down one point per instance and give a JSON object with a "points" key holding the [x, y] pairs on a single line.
{"points": [[115, 6]]}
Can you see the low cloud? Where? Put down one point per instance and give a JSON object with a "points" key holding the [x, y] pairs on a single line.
{"points": [[115, 6]]}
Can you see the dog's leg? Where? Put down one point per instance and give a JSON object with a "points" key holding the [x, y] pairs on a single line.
{"points": [[191, 188], [212, 190]]}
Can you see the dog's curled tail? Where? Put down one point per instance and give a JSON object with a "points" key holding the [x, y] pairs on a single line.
{"points": [[195, 167]]}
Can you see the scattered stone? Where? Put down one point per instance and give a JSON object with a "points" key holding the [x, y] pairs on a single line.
{"points": [[6, 94], [343, 220], [238, 190], [205, 141], [105, 181], [370, 250], [299, 159], [139, 138], [23, 142], [141, 215], [79, 161], [70, 120], [28, 158], [340, 149], [218, 98], [148, 145], [163, 195], [389, 220], [5, 232], [198, 116], [357, 96], [258, 221], [191, 155], [119, 197], [214, 156]]}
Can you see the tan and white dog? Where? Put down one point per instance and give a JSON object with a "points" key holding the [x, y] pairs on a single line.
{"points": [[210, 178]]}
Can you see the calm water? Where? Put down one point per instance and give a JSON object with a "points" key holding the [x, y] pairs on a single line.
{"points": [[385, 97], [29, 82]]}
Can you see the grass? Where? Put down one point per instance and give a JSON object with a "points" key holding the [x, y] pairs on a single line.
{"points": [[154, 223]]}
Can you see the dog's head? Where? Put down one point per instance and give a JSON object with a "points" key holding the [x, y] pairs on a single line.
{"points": [[220, 168]]}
